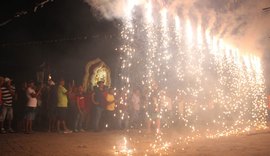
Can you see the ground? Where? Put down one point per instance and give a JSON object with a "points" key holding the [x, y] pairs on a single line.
{"points": [[109, 143]]}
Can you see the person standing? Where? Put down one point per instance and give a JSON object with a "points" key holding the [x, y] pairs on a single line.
{"points": [[90, 115], [51, 105], [153, 114], [166, 108], [122, 111], [99, 99], [1, 101], [72, 107], [110, 109], [136, 106], [62, 105], [8, 94], [30, 107], [82, 111], [19, 108]]}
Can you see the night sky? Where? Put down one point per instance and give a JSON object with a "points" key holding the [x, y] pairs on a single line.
{"points": [[65, 34]]}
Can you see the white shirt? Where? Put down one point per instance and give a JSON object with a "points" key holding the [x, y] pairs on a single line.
{"points": [[32, 101]]}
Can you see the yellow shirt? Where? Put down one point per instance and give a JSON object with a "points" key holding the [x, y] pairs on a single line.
{"points": [[62, 97], [110, 100]]}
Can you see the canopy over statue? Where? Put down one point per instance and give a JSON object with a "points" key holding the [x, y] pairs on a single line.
{"points": [[95, 71]]}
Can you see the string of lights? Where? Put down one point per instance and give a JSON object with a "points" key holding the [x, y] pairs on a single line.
{"points": [[52, 41], [25, 12]]}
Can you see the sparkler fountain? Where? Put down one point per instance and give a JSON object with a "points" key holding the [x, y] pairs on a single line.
{"points": [[221, 90]]}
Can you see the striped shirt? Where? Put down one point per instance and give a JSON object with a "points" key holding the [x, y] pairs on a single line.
{"points": [[7, 96]]}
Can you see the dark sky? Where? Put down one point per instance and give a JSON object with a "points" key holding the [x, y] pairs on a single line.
{"points": [[65, 33]]}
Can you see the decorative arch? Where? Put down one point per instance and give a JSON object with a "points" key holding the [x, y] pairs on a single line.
{"points": [[96, 70]]}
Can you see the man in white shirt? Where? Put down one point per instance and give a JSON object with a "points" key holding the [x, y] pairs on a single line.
{"points": [[30, 107]]}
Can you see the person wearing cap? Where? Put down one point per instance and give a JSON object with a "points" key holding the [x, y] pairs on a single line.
{"points": [[8, 93]]}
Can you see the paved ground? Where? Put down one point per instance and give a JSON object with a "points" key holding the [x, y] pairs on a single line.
{"points": [[109, 143]]}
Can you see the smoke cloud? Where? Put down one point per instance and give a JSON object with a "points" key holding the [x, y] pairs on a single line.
{"points": [[241, 23]]}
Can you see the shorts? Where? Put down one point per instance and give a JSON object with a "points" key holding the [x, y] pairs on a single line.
{"points": [[30, 113], [61, 113], [6, 113]]}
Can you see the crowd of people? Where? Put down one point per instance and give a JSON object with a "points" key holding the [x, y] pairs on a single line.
{"points": [[57, 107], [68, 108]]}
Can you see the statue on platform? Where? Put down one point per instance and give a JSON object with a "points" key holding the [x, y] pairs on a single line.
{"points": [[95, 71]]}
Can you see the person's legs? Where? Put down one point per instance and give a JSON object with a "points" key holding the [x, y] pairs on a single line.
{"points": [[148, 124], [27, 121], [58, 125], [126, 120], [30, 126], [3, 118], [76, 125], [75, 118], [108, 119], [112, 120], [64, 125], [158, 125], [50, 124], [71, 118], [52, 120], [119, 120], [63, 118], [10, 118], [149, 121], [27, 125], [87, 121], [82, 120], [32, 118], [58, 120], [136, 119], [98, 115]]}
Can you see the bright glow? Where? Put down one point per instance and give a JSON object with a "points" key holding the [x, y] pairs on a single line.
{"points": [[177, 23], [149, 16], [164, 13], [199, 36], [188, 77], [129, 9], [189, 31]]}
